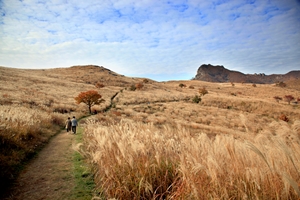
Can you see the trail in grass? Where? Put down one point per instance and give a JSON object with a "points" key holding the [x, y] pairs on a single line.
{"points": [[50, 174], [56, 172]]}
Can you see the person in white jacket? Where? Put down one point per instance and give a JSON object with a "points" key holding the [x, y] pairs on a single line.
{"points": [[74, 124]]}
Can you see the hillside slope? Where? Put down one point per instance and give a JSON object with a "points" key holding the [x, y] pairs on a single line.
{"points": [[32, 102]]}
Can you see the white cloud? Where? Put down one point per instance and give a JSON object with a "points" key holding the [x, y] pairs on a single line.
{"points": [[151, 37]]}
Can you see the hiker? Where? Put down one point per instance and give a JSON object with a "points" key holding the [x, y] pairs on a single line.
{"points": [[74, 124], [68, 124]]}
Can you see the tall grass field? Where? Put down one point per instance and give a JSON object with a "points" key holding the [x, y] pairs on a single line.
{"points": [[158, 140], [134, 160]]}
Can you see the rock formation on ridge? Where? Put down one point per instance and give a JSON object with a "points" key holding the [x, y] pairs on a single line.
{"points": [[218, 73]]}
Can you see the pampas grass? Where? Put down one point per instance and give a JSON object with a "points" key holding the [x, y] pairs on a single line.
{"points": [[155, 143], [133, 160]]}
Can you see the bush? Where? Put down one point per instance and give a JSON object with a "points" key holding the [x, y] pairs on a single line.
{"points": [[281, 84], [145, 81], [139, 86], [196, 99], [99, 85], [289, 98], [132, 88], [182, 85], [203, 91], [283, 117]]}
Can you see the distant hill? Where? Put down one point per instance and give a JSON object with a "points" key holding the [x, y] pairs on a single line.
{"points": [[219, 73], [93, 74]]}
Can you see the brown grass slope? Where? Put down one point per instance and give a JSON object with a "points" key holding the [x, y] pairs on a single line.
{"points": [[35, 103], [156, 143], [92, 74], [32, 102]]}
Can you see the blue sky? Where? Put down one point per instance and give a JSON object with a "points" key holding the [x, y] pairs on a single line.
{"points": [[158, 39]]}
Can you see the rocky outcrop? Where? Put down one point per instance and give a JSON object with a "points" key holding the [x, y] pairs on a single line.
{"points": [[218, 73]]}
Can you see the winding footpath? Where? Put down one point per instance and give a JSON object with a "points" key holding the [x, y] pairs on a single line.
{"points": [[50, 174]]}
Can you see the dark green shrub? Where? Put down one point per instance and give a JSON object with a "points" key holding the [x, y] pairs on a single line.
{"points": [[182, 85], [132, 88], [196, 99]]}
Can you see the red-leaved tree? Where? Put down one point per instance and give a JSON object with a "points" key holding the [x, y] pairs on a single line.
{"points": [[139, 86], [90, 98], [289, 98]]}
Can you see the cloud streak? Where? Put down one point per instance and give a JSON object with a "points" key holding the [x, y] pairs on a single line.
{"points": [[152, 38]]}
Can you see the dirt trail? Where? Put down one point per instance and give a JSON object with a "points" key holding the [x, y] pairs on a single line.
{"points": [[50, 174]]}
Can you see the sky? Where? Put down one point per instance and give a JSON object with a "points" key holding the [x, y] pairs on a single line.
{"points": [[158, 39]]}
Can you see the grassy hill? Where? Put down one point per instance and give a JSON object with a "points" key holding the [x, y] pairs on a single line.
{"points": [[35, 103]]}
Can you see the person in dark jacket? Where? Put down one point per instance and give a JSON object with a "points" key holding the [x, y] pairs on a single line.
{"points": [[68, 124]]}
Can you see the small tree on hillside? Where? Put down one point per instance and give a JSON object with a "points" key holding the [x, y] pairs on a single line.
{"points": [[90, 98], [289, 98]]}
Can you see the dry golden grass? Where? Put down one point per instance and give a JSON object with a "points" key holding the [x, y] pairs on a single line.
{"points": [[155, 142], [250, 110], [135, 160], [34, 105]]}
